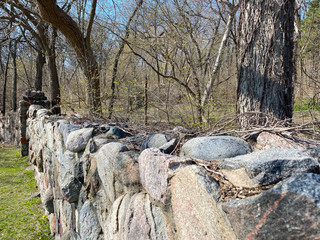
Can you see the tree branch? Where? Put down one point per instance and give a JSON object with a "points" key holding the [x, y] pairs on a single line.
{"points": [[91, 19], [189, 90]]}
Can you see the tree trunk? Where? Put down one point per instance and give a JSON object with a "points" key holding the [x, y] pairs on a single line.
{"points": [[13, 51], [40, 61], [265, 60], [53, 73], [51, 13], [4, 90], [145, 119]]}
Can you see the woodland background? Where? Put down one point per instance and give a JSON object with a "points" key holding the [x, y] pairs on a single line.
{"points": [[154, 59]]}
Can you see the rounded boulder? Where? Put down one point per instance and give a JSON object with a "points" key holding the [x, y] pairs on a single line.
{"points": [[214, 148]]}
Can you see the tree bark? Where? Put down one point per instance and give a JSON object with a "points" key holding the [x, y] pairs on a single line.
{"points": [[145, 118], [53, 73], [13, 51], [266, 60], [40, 61], [4, 90], [51, 13]]}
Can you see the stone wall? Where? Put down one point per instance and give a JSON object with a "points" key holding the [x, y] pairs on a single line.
{"points": [[101, 181], [9, 128], [38, 100]]}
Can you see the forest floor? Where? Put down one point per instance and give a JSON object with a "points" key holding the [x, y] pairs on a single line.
{"points": [[21, 214]]}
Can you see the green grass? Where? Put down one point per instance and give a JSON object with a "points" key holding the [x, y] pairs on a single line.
{"points": [[21, 217]]}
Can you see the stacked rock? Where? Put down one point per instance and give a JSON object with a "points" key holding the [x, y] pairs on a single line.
{"points": [[31, 98]]}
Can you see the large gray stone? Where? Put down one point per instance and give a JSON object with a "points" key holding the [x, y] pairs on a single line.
{"points": [[146, 220], [134, 216], [159, 140], [78, 171], [48, 165], [58, 227], [267, 167], [89, 224], [70, 185], [67, 162], [194, 197], [57, 135], [113, 228], [137, 139], [33, 110], [155, 140], [39, 160], [100, 205], [82, 199], [55, 178], [101, 140], [267, 140], [135, 222], [314, 152], [117, 133], [49, 129], [214, 148], [52, 223], [290, 210], [155, 170], [78, 139], [92, 124], [70, 188], [67, 213], [70, 235], [89, 166], [169, 146], [106, 157], [43, 112], [126, 172], [47, 200], [38, 128], [66, 129]]}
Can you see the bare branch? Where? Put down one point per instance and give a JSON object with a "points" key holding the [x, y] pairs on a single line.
{"points": [[91, 19]]}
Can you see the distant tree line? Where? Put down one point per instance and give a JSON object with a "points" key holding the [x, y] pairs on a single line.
{"points": [[176, 61]]}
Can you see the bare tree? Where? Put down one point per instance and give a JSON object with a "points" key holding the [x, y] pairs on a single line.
{"points": [[116, 61], [177, 40], [233, 8], [13, 52], [40, 61], [5, 80], [22, 14], [80, 42]]}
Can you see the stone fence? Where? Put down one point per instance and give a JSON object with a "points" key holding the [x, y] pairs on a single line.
{"points": [[100, 181], [9, 128], [104, 181], [13, 126]]}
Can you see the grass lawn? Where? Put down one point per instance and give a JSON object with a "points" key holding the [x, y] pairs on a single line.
{"points": [[21, 217]]}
